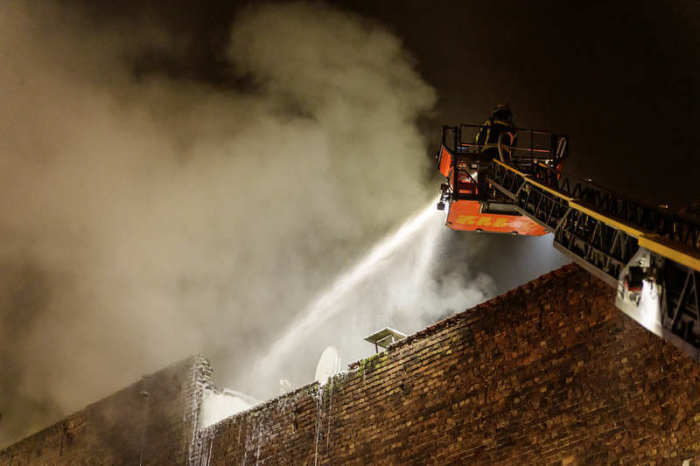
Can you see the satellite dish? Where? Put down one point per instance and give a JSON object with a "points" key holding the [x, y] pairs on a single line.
{"points": [[328, 365]]}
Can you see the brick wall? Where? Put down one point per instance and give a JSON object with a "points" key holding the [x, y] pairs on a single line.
{"points": [[550, 373], [150, 422]]}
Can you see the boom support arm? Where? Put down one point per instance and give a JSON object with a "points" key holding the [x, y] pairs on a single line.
{"points": [[650, 255]]}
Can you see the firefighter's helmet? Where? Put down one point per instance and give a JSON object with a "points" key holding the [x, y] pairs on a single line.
{"points": [[503, 113]]}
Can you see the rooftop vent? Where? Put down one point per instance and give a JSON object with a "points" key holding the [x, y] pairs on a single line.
{"points": [[384, 338]]}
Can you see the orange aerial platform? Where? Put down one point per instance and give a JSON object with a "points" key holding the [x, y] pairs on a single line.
{"points": [[473, 204]]}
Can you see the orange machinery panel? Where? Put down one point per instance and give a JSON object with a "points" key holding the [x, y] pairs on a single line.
{"points": [[445, 161], [466, 216]]}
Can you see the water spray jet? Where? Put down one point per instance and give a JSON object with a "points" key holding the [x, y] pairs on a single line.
{"points": [[325, 305]]}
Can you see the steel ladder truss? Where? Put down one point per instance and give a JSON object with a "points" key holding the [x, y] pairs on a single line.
{"points": [[618, 240]]}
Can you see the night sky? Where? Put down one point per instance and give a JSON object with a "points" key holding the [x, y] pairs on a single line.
{"points": [[619, 78]]}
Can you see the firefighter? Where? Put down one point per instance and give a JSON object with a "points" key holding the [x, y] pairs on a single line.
{"points": [[497, 134]]}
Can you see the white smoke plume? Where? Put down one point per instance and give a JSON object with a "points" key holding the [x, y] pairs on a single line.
{"points": [[402, 290], [143, 219]]}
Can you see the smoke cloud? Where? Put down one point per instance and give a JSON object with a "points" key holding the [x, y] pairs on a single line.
{"points": [[146, 218]]}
